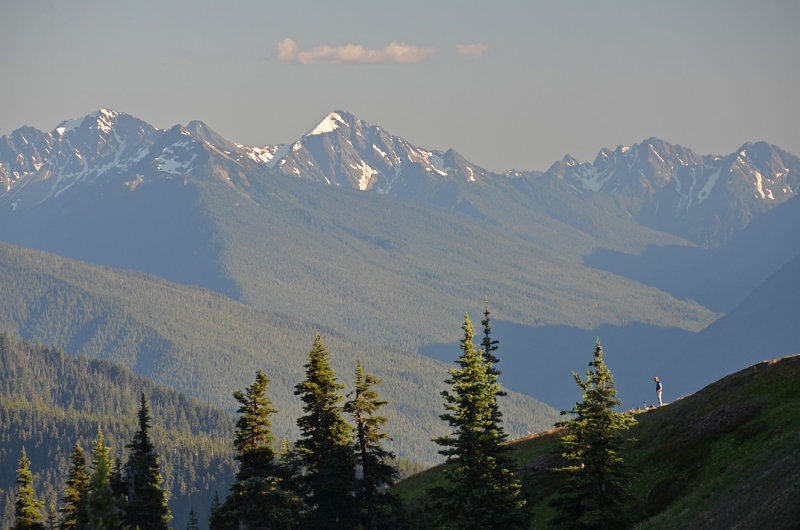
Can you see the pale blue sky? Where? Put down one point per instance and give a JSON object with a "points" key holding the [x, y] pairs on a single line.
{"points": [[553, 77]]}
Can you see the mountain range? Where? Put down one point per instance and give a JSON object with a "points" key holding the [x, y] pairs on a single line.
{"points": [[703, 198], [361, 231]]}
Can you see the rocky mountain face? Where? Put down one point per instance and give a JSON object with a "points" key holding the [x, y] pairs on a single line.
{"points": [[35, 166], [341, 151], [706, 199], [109, 147], [345, 151]]}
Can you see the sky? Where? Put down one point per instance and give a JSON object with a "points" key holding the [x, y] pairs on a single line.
{"points": [[508, 84]]}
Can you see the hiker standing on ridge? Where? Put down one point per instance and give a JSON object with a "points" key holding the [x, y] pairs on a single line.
{"points": [[658, 390]]}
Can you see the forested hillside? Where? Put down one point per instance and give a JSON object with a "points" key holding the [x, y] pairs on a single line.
{"points": [[208, 345], [50, 401]]}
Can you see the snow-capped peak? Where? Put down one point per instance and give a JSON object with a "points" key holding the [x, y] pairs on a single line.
{"points": [[329, 124], [104, 118]]}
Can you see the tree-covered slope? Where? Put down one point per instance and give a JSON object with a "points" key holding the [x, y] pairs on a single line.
{"points": [[50, 400], [208, 345], [724, 457], [402, 272]]}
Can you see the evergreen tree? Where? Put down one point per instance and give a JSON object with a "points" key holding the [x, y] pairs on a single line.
{"points": [[192, 524], [376, 470], [325, 448], [101, 504], [289, 464], [259, 497], [74, 513], [482, 491], [146, 499], [118, 485], [216, 518], [490, 359], [253, 440], [290, 471], [52, 518], [27, 508], [489, 345], [594, 494]]}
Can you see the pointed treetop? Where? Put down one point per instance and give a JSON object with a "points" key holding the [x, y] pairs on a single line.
{"points": [[26, 509]]}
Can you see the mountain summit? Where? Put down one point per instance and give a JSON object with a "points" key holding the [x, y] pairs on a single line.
{"points": [[345, 151], [704, 198], [35, 165], [671, 188]]}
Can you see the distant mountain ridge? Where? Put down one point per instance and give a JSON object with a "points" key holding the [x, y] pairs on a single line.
{"points": [[706, 199], [342, 151], [667, 187], [346, 151], [189, 206], [108, 146]]}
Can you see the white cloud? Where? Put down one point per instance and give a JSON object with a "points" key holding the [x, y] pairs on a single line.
{"points": [[288, 50], [471, 50]]}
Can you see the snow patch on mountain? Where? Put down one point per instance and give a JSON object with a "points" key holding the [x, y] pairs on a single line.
{"points": [[329, 124], [367, 172], [261, 155], [437, 162], [178, 157], [278, 155], [105, 120], [375, 147], [590, 178]]}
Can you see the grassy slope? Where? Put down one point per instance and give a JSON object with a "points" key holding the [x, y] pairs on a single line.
{"points": [[208, 345], [727, 455]]}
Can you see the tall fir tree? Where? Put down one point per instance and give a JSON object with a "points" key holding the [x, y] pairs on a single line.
{"points": [[481, 491], [102, 505], [376, 469], [52, 517], [253, 436], [73, 513], [595, 491], [490, 345], [260, 498], [192, 524], [290, 470], [216, 518], [146, 499], [27, 509], [325, 448], [118, 485]]}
